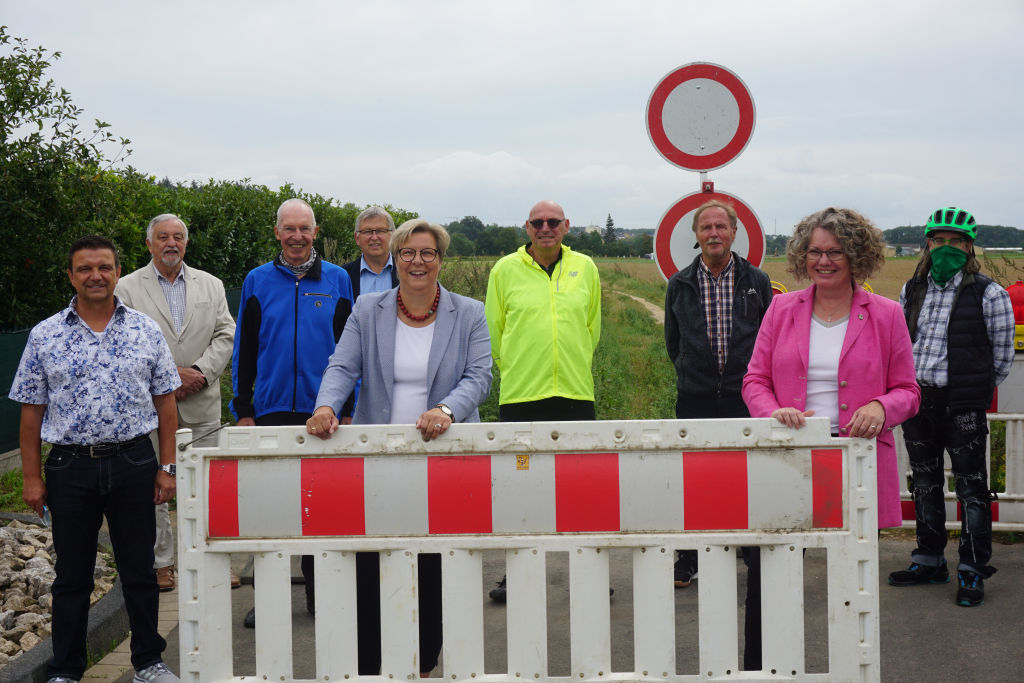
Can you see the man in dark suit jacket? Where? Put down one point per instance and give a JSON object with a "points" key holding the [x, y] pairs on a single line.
{"points": [[374, 270]]}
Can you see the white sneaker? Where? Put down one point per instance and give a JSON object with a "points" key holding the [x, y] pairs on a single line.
{"points": [[155, 673], [62, 679]]}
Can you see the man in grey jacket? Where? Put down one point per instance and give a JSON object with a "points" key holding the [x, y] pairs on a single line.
{"points": [[713, 310], [190, 307]]}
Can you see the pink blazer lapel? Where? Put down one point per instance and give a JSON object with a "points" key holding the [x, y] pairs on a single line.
{"points": [[858, 321], [802, 328]]}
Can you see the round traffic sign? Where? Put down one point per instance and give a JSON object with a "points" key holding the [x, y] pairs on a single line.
{"points": [[700, 116], [674, 239]]}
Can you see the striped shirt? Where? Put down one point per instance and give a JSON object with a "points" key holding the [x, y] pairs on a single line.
{"points": [[716, 297], [174, 292], [930, 350]]}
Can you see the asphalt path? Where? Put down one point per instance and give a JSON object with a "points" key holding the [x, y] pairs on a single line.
{"points": [[924, 634]]}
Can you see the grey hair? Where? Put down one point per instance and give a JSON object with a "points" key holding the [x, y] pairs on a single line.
{"points": [[289, 202], [375, 211], [160, 219], [406, 229]]}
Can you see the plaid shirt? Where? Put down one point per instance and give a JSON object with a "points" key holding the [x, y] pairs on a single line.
{"points": [[930, 349], [716, 297], [174, 292]]}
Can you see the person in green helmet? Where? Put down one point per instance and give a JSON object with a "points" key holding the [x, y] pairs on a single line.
{"points": [[961, 325]]}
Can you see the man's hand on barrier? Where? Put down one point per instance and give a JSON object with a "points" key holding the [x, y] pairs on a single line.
{"points": [[792, 418], [868, 421], [323, 423]]}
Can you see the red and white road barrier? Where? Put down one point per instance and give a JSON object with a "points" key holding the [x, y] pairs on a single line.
{"points": [[530, 489]]}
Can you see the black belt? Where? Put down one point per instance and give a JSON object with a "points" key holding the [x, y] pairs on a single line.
{"points": [[102, 450], [933, 393]]}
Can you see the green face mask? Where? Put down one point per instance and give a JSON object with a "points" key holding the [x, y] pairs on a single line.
{"points": [[946, 261]]}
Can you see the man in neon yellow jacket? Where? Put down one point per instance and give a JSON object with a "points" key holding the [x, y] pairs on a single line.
{"points": [[544, 315]]}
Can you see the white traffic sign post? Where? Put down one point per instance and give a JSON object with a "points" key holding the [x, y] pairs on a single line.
{"points": [[675, 242], [700, 117]]}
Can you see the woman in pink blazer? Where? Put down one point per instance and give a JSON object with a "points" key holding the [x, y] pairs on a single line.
{"points": [[835, 350]]}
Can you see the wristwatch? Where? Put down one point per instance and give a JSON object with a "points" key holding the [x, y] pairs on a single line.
{"points": [[446, 410], [170, 469]]}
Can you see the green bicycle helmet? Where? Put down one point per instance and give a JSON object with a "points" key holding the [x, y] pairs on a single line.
{"points": [[952, 218]]}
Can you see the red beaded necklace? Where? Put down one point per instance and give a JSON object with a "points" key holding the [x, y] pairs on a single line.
{"points": [[419, 318]]}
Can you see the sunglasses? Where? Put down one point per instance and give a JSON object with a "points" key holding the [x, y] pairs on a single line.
{"points": [[553, 223]]}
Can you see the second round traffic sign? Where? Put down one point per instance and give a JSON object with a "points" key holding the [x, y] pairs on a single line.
{"points": [[700, 116], [674, 238]]}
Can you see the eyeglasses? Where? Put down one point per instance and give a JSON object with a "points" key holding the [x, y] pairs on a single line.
{"points": [[833, 254], [376, 232], [426, 255], [291, 229], [950, 241], [553, 223]]}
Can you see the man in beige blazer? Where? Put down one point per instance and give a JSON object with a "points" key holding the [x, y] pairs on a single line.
{"points": [[192, 311]]}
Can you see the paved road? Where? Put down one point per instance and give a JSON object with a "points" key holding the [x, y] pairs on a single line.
{"points": [[925, 636]]}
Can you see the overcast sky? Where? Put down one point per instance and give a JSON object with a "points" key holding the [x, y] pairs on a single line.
{"points": [[483, 108]]}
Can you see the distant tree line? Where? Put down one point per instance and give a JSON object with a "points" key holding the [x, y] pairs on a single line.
{"points": [[988, 236], [471, 237]]}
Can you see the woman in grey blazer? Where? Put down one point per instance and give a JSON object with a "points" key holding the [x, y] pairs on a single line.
{"points": [[424, 357]]}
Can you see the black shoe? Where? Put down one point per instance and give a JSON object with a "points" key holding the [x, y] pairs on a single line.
{"points": [[499, 594], [917, 574], [682, 575], [972, 589], [250, 619]]}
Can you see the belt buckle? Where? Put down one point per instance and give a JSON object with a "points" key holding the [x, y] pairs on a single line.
{"points": [[95, 452]]}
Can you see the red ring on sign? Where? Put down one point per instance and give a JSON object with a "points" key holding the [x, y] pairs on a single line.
{"points": [[656, 104], [663, 235]]}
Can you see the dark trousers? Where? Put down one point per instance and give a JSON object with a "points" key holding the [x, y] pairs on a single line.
{"points": [[710, 408], [962, 435], [80, 492], [368, 609], [554, 409]]}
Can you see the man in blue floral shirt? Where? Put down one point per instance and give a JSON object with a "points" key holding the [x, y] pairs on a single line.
{"points": [[94, 381]]}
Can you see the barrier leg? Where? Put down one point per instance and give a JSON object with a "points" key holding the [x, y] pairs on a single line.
{"points": [[589, 613], [272, 578], [654, 651], [336, 634], [399, 615], [204, 637], [719, 640], [527, 614], [462, 606], [782, 609]]}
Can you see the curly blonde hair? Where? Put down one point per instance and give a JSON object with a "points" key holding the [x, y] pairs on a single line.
{"points": [[862, 243]]}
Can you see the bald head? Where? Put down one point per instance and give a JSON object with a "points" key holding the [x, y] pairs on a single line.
{"points": [[546, 227]]}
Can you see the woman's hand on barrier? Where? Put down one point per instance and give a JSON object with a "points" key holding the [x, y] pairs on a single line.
{"points": [[433, 423], [323, 423], [868, 421], [791, 417]]}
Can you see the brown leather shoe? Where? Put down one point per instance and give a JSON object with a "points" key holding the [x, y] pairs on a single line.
{"points": [[236, 582], [165, 578]]}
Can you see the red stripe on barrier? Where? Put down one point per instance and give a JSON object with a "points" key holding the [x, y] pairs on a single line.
{"points": [[459, 494], [907, 508], [827, 482], [332, 497], [222, 503], [587, 491], [715, 490]]}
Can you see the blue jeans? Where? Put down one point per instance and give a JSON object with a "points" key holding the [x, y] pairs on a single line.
{"points": [[962, 435], [80, 492]]}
